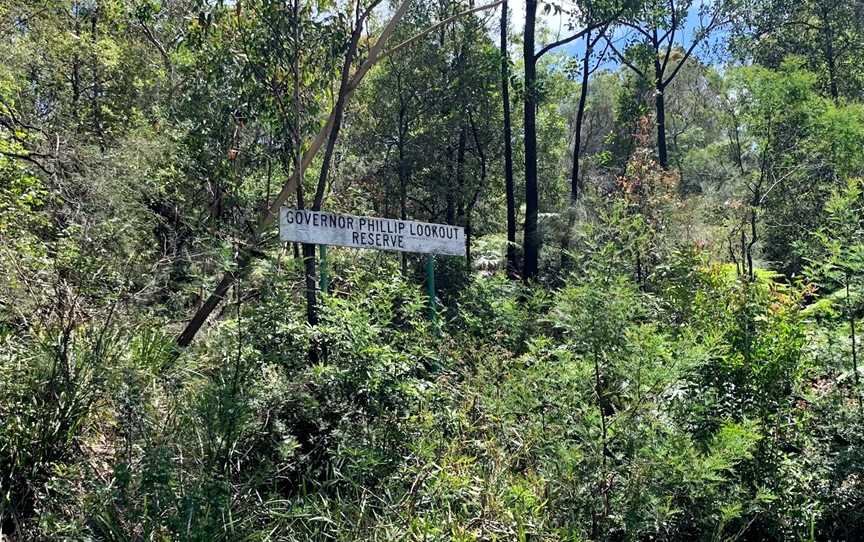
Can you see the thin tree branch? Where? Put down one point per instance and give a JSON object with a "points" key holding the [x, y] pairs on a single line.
{"points": [[700, 36], [671, 33], [29, 158], [623, 59], [636, 28], [575, 36], [436, 26]]}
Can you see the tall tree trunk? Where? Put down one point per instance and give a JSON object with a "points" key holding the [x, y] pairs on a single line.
{"points": [[311, 286], [459, 194], [580, 117], [308, 249], [531, 233], [97, 83], [830, 58], [660, 109], [566, 260], [403, 186], [509, 187]]}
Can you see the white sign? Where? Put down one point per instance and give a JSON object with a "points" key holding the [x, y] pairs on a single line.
{"points": [[368, 232]]}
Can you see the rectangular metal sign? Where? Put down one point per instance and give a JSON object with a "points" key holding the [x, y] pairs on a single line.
{"points": [[321, 228]]}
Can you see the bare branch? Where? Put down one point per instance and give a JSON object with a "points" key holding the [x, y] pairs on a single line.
{"points": [[438, 25], [576, 36], [623, 59], [671, 33], [29, 157], [701, 34], [636, 28]]}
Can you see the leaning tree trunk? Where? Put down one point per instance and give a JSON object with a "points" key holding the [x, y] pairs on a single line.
{"points": [[251, 250], [580, 117], [247, 253]]}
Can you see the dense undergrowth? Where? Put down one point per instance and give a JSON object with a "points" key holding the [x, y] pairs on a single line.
{"points": [[653, 336], [695, 406]]}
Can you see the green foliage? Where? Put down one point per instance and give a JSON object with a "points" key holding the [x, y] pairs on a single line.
{"points": [[670, 378], [49, 388], [796, 138]]}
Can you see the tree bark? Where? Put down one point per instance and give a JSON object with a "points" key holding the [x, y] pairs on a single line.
{"points": [[241, 267], [97, 83], [531, 233], [830, 58], [308, 249], [566, 260], [660, 109], [580, 117], [509, 187], [403, 193]]}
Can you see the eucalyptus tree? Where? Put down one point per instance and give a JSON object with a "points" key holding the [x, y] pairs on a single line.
{"points": [[593, 16], [509, 187], [426, 121], [828, 33], [657, 48], [257, 91], [588, 64]]}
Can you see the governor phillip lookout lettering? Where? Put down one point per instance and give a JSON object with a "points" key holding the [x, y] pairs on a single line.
{"points": [[370, 232]]}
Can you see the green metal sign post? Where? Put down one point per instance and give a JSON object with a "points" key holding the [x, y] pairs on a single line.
{"points": [[325, 277], [430, 288]]}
